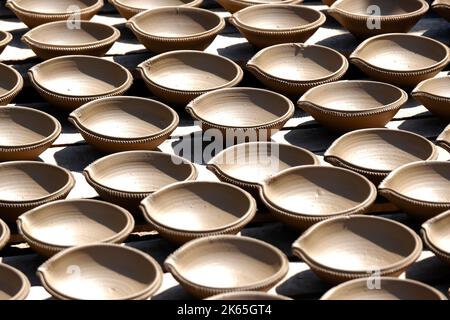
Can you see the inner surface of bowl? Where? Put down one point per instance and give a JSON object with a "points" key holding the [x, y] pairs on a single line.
{"points": [[92, 75], [353, 95], [107, 272], [53, 7], [399, 52], [8, 80], [191, 71], [139, 171], [299, 62], [10, 283], [317, 190], [359, 243], [438, 232], [437, 86], [381, 149], [241, 107], [24, 126], [238, 261], [254, 162], [387, 8], [27, 180], [277, 17], [389, 289], [126, 117], [151, 4], [198, 206], [423, 181], [177, 22], [3, 35], [59, 34], [70, 223]]}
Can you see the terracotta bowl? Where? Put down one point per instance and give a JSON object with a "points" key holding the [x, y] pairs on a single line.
{"points": [[59, 225], [124, 123], [248, 113], [442, 8], [56, 39], [246, 165], [11, 82], [34, 14], [28, 184], [129, 8], [293, 68], [176, 28], [236, 5], [434, 94], [5, 39], [248, 295], [303, 196], [436, 235], [393, 16], [328, 2], [349, 105], [4, 234], [420, 189], [14, 285], [68, 82], [270, 24], [246, 264], [25, 133], [177, 77], [101, 272], [400, 59], [111, 176], [184, 211], [374, 153], [346, 248], [444, 139], [387, 288]]}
